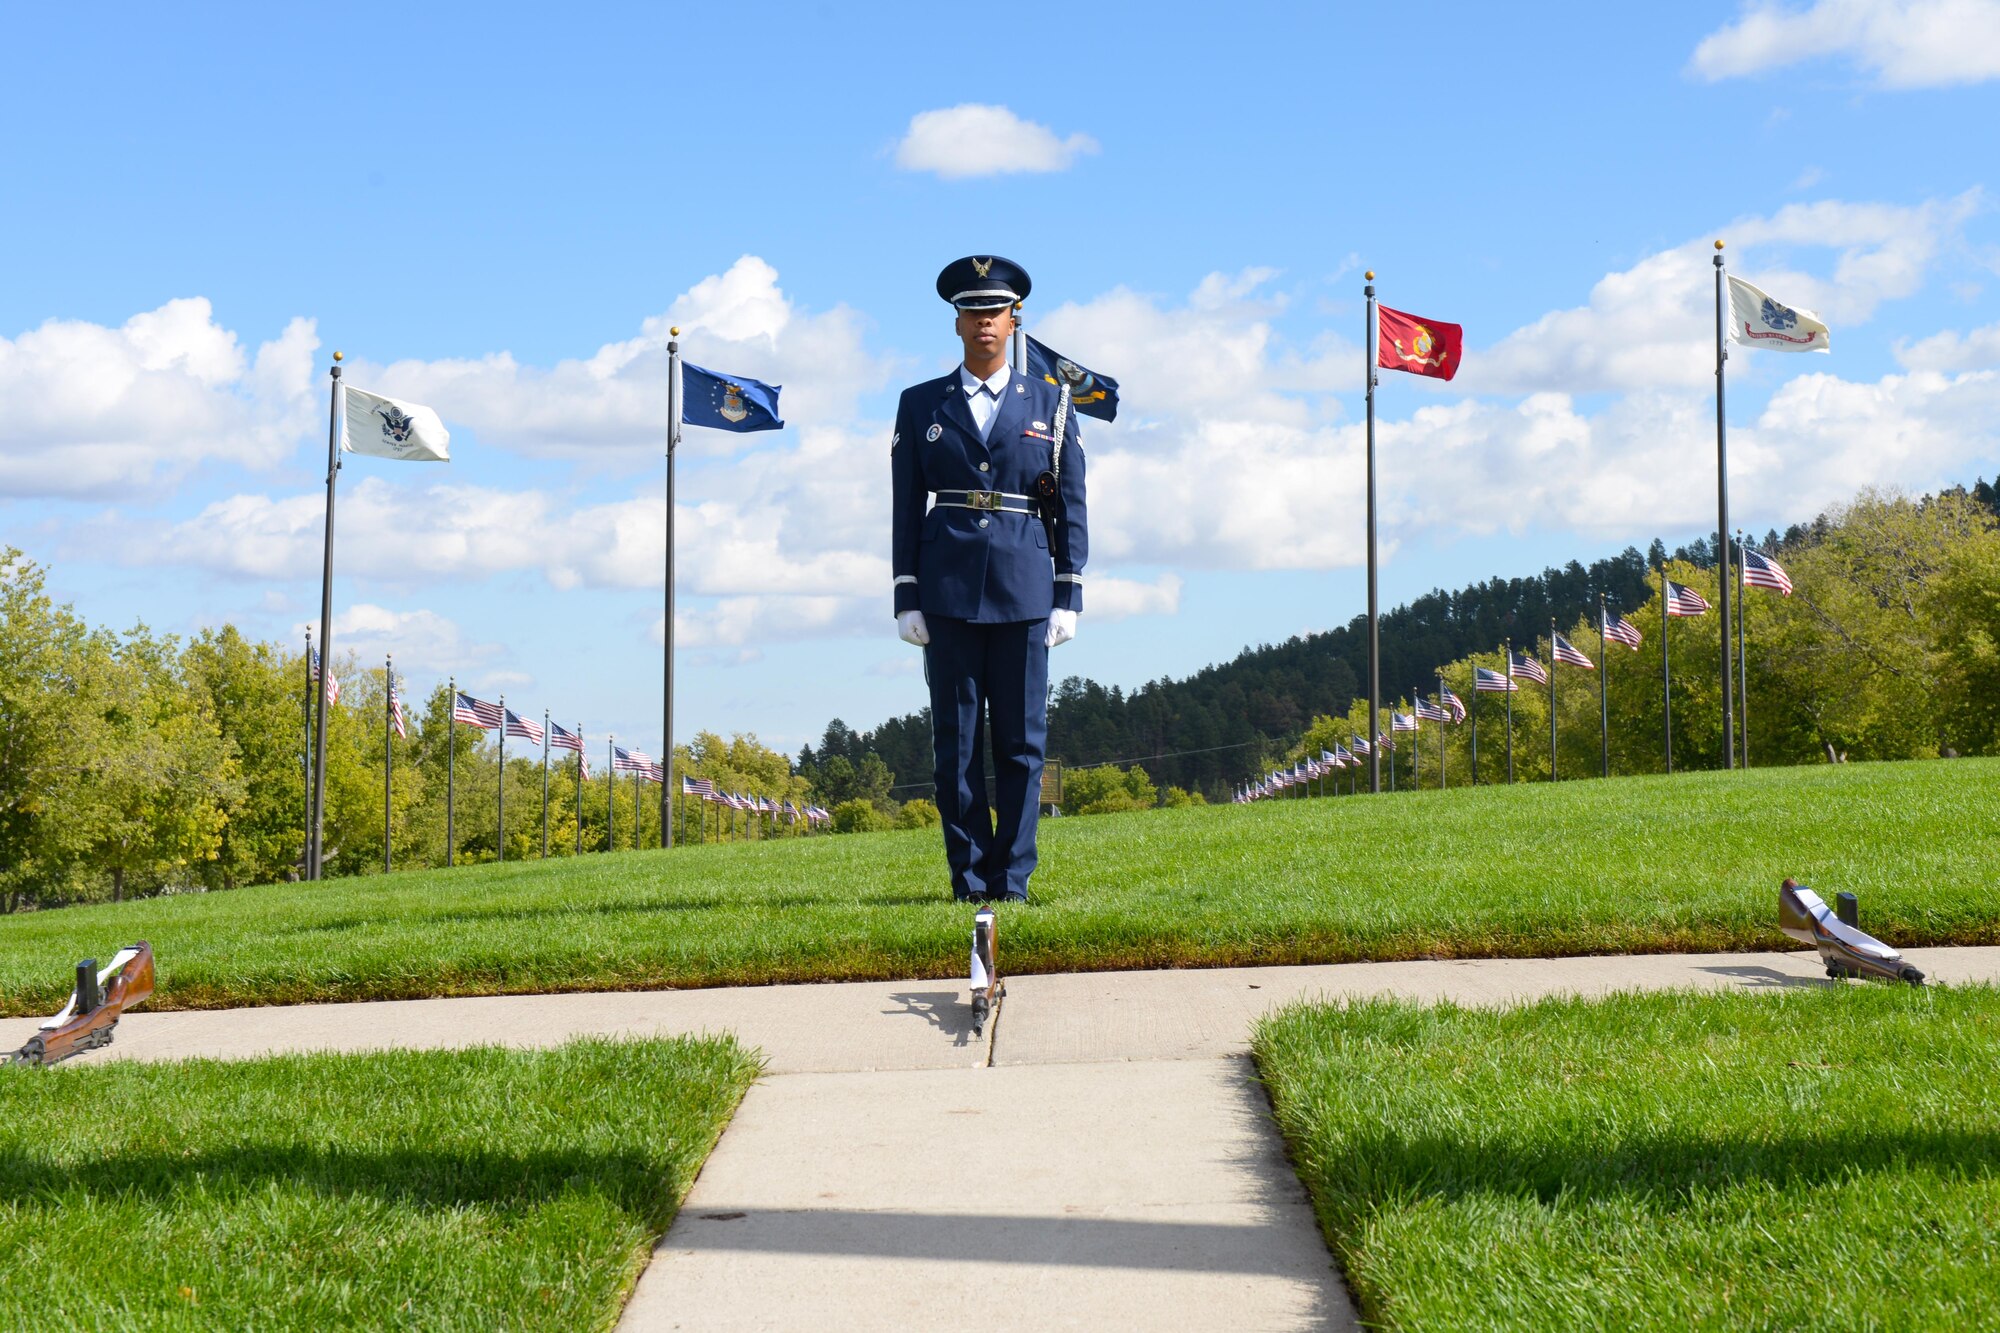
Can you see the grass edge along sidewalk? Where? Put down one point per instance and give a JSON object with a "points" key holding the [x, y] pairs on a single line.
{"points": [[1824, 1156], [471, 1189], [1684, 864]]}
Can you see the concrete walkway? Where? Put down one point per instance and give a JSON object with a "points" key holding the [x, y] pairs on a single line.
{"points": [[1101, 1157]]}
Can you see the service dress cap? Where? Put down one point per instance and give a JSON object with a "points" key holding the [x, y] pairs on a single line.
{"points": [[983, 282]]}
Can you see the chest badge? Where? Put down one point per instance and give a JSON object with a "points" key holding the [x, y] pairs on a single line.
{"points": [[934, 432]]}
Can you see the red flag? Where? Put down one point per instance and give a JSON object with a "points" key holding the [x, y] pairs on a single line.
{"points": [[1420, 346]]}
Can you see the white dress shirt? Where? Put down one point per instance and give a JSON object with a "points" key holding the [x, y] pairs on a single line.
{"points": [[983, 396]]}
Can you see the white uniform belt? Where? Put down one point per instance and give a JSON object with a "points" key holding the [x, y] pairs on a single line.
{"points": [[991, 502]]}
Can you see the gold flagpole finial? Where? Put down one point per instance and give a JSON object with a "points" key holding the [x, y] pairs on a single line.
{"points": [[1718, 245], [336, 356], [675, 331], [1370, 275]]}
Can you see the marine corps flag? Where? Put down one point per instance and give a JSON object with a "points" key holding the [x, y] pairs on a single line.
{"points": [[385, 427], [1420, 346]]}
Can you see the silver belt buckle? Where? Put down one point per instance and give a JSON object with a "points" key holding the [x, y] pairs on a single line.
{"points": [[989, 500]]}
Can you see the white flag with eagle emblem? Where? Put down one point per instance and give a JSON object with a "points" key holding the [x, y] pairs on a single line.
{"points": [[1757, 320], [391, 428]]}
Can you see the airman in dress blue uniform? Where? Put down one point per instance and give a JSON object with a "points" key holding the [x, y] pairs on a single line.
{"points": [[989, 542]]}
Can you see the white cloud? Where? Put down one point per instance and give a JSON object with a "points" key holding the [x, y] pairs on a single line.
{"points": [[1903, 43], [610, 409], [1653, 325], [87, 410], [422, 641], [978, 140], [1951, 350], [1116, 599]]}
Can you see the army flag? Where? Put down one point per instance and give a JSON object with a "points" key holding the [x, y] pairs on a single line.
{"points": [[1420, 346], [1090, 393], [1758, 320], [728, 402], [384, 427]]}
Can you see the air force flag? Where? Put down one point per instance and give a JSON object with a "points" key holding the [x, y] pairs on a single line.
{"points": [[1093, 394], [1756, 320], [391, 428], [727, 403]]}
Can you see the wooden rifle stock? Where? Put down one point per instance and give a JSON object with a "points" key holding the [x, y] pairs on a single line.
{"points": [[79, 1028]]}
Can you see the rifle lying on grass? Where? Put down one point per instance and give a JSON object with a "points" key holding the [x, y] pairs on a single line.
{"points": [[1846, 949], [94, 1008]]}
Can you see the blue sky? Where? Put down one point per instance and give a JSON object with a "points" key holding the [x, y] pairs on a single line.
{"points": [[498, 211]]}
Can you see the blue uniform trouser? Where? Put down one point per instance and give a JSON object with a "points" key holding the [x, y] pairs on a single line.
{"points": [[1001, 671]]}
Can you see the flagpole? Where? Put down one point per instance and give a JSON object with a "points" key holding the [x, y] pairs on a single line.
{"points": [[1722, 522], [305, 826], [545, 784], [1473, 707], [388, 748], [1443, 771], [667, 676], [1510, 711], [610, 792], [1553, 664], [1742, 661], [450, 769], [1666, 673], [317, 823], [1374, 621], [1604, 682], [579, 789], [502, 788]]}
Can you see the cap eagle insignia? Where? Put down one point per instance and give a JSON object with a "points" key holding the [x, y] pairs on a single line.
{"points": [[982, 266]]}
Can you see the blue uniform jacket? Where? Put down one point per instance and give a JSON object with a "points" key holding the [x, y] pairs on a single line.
{"points": [[971, 565]]}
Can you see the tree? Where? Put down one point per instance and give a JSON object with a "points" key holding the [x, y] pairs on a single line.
{"points": [[47, 683]]}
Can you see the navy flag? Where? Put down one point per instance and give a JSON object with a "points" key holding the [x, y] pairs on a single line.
{"points": [[1092, 394], [727, 403]]}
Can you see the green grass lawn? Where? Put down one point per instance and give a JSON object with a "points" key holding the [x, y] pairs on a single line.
{"points": [[1824, 1158], [477, 1189], [1690, 862]]}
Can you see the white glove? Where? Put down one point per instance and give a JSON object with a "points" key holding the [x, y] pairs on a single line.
{"points": [[1062, 627], [910, 627]]}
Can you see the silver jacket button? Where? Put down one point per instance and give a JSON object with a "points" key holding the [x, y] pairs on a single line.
{"points": [[983, 522], [982, 467]]}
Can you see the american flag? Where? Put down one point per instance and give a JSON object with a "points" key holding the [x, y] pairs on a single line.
{"points": [[1343, 755], [1452, 702], [658, 772], [1330, 759], [1565, 651], [1435, 712], [1684, 601], [332, 681], [1401, 721], [791, 812], [630, 761], [697, 786], [517, 725], [1360, 746], [1620, 629], [474, 712], [1761, 571], [1385, 740], [1527, 668], [1488, 681], [397, 719]]}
